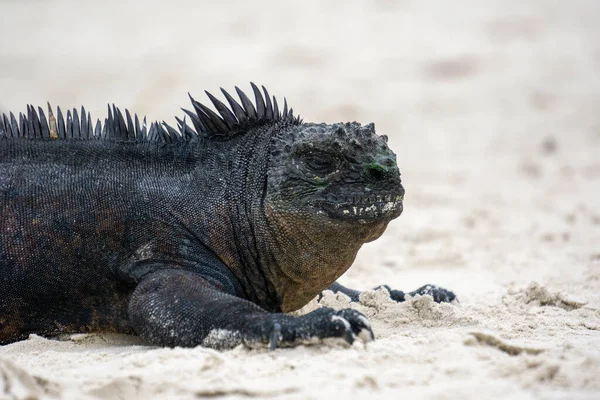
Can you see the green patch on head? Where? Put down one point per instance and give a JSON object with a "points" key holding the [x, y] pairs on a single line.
{"points": [[376, 171], [376, 167]]}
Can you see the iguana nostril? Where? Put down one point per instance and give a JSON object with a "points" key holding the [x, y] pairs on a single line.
{"points": [[376, 171]]}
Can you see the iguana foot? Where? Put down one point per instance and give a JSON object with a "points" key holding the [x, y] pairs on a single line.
{"points": [[440, 295], [323, 323]]}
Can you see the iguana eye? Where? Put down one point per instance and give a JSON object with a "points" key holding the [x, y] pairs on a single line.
{"points": [[321, 164]]}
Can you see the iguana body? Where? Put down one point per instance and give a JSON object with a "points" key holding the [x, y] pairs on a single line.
{"points": [[201, 236]]}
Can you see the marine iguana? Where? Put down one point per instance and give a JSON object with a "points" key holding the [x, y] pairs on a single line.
{"points": [[202, 235]]}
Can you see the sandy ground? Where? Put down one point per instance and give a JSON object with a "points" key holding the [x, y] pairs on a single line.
{"points": [[493, 108]]}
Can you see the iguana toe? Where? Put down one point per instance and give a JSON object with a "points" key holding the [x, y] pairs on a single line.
{"points": [[359, 324]]}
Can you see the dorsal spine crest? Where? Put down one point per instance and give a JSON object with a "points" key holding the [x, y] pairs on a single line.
{"points": [[238, 118]]}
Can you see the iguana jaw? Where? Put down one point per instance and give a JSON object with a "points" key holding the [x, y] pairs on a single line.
{"points": [[364, 210]]}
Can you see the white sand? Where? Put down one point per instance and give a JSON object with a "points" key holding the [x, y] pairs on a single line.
{"points": [[493, 108]]}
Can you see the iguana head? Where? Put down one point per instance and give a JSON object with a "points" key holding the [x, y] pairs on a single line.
{"points": [[340, 174]]}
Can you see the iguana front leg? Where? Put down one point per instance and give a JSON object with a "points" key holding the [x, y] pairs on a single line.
{"points": [[440, 295], [181, 308]]}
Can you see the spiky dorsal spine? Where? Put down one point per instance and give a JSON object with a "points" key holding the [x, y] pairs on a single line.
{"points": [[237, 118], [34, 125], [124, 128], [80, 126]]}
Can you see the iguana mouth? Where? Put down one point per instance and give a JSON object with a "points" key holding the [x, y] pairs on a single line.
{"points": [[364, 209]]}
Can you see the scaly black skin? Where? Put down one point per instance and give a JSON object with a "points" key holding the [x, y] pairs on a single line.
{"points": [[205, 239]]}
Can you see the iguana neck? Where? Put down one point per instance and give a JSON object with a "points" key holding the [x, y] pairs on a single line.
{"points": [[315, 255]]}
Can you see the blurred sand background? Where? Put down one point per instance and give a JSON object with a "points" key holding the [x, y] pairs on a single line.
{"points": [[493, 108]]}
